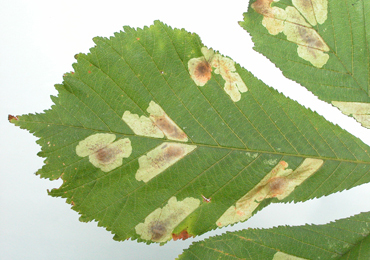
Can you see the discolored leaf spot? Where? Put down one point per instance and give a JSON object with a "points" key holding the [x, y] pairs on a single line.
{"points": [[158, 124], [311, 46], [234, 85], [165, 123], [315, 11], [284, 256], [159, 224], [183, 235], [274, 22], [142, 125], [200, 71], [160, 158], [263, 7], [11, 117], [279, 183], [103, 152], [360, 111]]}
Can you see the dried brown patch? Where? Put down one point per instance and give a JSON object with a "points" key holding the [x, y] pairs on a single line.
{"points": [[277, 186], [164, 123], [183, 235], [169, 128], [160, 224], [311, 39], [161, 158], [203, 71], [263, 7], [200, 70], [10, 117], [105, 155], [158, 230], [173, 152]]}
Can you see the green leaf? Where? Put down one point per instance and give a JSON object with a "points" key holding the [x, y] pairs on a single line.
{"points": [[321, 44], [157, 137], [343, 239]]}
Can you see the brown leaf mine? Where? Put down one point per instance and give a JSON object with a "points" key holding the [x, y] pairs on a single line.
{"points": [[158, 124], [360, 111], [159, 225], [311, 46], [103, 152], [200, 68], [142, 125], [200, 71], [296, 23], [279, 183], [161, 158], [165, 123], [315, 11]]}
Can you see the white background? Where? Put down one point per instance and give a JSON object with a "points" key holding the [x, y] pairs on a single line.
{"points": [[38, 40]]}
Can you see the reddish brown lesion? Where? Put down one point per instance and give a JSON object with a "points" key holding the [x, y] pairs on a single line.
{"points": [[169, 153], [263, 7], [277, 186], [158, 230], [168, 127], [106, 154], [173, 152], [183, 235], [11, 117], [203, 71], [200, 70]]}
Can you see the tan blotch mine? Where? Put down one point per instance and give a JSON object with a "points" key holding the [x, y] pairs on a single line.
{"points": [[160, 158], [284, 256], [298, 28], [200, 70], [315, 11], [279, 183], [311, 46], [142, 125], [103, 152], [158, 124], [360, 111], [159, 225], [165, 123]]}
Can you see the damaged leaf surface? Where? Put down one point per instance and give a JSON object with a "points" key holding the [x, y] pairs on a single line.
{"points": [[321, 44], [152, 150]]}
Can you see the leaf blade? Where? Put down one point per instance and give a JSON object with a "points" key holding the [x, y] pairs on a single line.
{"points": [[344, 77], [238, 143], [343, 239]]}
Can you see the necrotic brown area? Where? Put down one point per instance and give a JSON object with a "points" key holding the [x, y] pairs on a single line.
{"points": [[277, 186], [158, 230], [10, 117], [183, 235], [311, 40], [263, 7], [165, 125], [173, 152], [105, 155], [169, 128], [203, 71]]}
